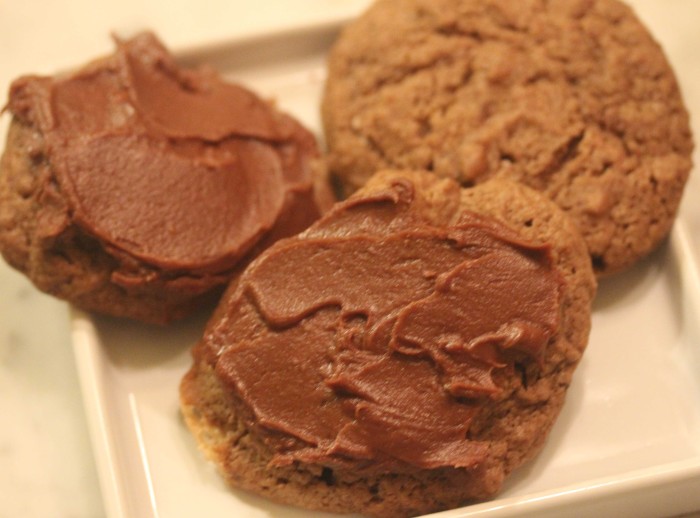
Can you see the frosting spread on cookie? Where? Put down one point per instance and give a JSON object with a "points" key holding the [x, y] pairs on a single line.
{"points": [[375, 337], [172, 167]]}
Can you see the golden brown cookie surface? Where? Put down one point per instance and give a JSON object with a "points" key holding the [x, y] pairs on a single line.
{"points": [[572, 98]]}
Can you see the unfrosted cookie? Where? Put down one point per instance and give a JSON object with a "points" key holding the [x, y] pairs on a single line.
{"points": [[136, 188], [401, 356], [571, 97]]}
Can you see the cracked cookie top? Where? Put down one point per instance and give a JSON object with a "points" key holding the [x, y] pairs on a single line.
{"points": [[573, 98]]}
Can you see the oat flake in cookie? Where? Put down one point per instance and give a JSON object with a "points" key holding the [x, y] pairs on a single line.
{"points": [[571, 97], [136, 188], [401, 356]]}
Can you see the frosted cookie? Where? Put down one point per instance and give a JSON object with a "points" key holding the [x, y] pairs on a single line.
{"points": [[573, 98], [403, 355], [134, 187]]}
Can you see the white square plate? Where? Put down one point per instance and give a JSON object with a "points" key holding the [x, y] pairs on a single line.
{"points": [[626, 443]]}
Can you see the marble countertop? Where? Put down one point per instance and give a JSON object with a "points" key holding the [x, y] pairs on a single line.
{"points": [[46, 464]]}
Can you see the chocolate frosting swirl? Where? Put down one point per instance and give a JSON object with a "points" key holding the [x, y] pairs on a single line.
{"points": [[173, 170], [375, 336]]}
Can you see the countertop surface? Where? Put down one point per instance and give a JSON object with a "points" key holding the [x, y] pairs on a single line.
{"points": [[46, 463]]}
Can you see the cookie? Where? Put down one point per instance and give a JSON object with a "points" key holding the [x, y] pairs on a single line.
{"points": [[403, 355], [573, 98], [136, 188]]}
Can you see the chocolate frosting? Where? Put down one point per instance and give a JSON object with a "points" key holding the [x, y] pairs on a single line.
{"points": [[174, 171], [374, 338]]}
